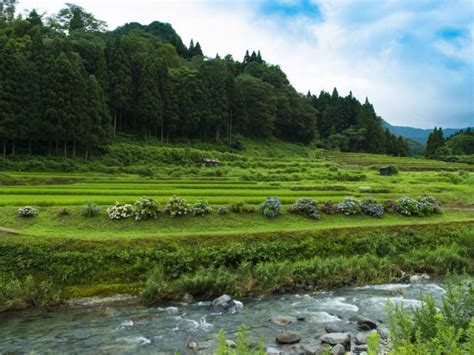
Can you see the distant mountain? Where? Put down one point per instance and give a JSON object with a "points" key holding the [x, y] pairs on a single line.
{"points": [[419, 135]]}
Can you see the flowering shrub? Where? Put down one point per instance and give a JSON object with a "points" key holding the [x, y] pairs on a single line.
{"points": [[349, 207], [90, 209], [120, 211], [305, 207], [270, 208], [145, 208], [222, 211], [391, 206], [408, 206], [62, 212], [371, 207], [177, 206], [329, 207], [428, 205], [423, 206], [241, 207], [200, 208], [27, 211]]}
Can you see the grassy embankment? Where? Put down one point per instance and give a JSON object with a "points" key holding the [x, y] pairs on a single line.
{"points": [[235, 253]]}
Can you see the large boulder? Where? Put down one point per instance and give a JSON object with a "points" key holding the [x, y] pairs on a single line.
{"points": [[336, 338], [288, 338]]}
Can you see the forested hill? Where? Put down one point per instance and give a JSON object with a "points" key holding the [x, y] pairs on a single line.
{"points": [[68, 86]]}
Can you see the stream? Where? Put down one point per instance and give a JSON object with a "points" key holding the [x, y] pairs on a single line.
{"points": [[169, 328]]}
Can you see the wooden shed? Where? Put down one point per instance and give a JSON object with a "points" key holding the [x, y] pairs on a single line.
{"points": [[210, 162], [387, 170]]}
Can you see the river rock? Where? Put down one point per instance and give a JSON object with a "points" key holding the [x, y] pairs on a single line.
{"points": [[361, 348], [223, 302], [365, 323], [273, 351], [414, 279], [197, 346], [301, 318], [336, 338], [313, 348], [334, 328], [362, 338], [338, 350], [281, 320], [187, 298], [288, 338]]}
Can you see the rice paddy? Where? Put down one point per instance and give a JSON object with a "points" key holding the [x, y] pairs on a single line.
{"points": [[294, 173]]}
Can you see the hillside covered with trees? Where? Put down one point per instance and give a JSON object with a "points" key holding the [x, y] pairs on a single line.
{"points": [[68, 86]]}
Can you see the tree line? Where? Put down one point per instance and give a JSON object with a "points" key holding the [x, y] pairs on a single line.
{"points": [[68, 86], [460, 143]]}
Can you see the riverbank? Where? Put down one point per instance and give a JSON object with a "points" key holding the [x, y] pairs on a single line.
{"points": [[167, 268]]}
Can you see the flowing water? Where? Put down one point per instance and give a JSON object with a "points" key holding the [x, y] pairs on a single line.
{"points": [[166, 329]]}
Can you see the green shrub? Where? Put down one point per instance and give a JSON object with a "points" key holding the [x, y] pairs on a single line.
{"points": [[120, 211], [429, 330], [177, 206], [27, 211], [145, 208], [241, 207], [391, 206], [18, 294], [271, 208], [90, 209], [200, 208], [305, 207]]}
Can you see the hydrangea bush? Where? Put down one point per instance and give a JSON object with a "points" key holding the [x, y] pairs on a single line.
{"points": [[145, 208], [200, 208], [305, 207], [271, 208], [428, 206], [349, 207], [371, 207], [391, 206], [177, 206], [423, 206], [90, 209], [120, 211], [329, 207], [27, 211]]}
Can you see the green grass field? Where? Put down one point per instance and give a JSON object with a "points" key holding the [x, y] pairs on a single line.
{"points": [[90, 256]]}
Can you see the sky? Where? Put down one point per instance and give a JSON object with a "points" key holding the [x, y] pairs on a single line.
{"points": [[413, 59]]}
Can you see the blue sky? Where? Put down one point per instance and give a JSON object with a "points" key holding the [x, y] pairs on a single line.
{"points": [[414, 59]]}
